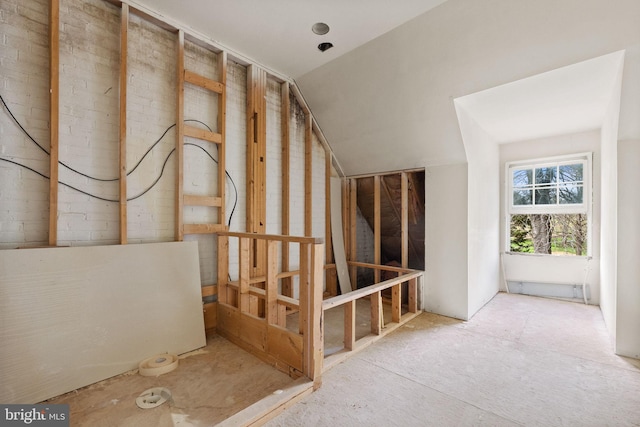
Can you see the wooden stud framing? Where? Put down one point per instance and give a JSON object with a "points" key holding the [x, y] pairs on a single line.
{"points": [[54, 114], [304, 287], [179, 231], [405, 219], [223, 268], [396, 303], [350, 325], [377, 259], [376, 308], [285, 114], [222, 130], [122, 165], [315, 330], [353, 251], [198, 80], [344, 183], [213, 201], [271, 286], [256, 161], [308, 175], [244, 273], [413, 295]]}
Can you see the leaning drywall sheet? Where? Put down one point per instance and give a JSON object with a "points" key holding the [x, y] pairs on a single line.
{"points": [[336, 236], [70, 317]]}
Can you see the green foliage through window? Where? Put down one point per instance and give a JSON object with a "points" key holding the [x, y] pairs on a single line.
{"points": [[555, 234]]}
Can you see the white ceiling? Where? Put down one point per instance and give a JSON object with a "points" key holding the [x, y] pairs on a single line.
{"points": [[570, 99], [277, 33]]}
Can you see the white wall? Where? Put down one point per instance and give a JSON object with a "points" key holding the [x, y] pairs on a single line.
{"points": [[550, 268], [609, 243], [628, 273], [446, 265], [483, 212]]}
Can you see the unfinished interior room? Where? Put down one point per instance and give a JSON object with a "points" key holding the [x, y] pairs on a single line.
{"points": [[331, 213]]}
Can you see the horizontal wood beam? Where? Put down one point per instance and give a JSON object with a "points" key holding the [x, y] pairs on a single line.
{"points": [[369, 290], [209, 290], [260, 236], [262, 294], [380, 267], [203, 228], [203, 82], [202, 134], [192, 200]]}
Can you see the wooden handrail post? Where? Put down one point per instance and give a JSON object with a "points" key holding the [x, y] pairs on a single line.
{"points": [[396, 303], [316, 314], [271, 285], [223, 268], [376, 305], [244, 268], [303, 292], [350, 325], [413, 295]]}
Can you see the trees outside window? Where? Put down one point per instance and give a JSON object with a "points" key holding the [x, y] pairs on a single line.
{"points": [[549, 207]]}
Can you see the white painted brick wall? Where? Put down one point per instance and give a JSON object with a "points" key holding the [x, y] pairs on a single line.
{"points": [[89, 133], [151, 109], [24, 85], [88, 139]]}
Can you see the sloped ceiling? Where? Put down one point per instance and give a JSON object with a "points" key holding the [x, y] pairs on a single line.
{"points": [[388, 105], [277, 33], [383, 96]]}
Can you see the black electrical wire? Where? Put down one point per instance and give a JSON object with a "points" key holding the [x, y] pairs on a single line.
{"points": [[128, 173]]}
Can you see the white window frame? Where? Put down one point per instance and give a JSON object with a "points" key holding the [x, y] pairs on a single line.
{"points": [[584, 208]]}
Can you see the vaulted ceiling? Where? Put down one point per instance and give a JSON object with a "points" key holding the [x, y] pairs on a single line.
{"points": [[384, 94], [278, 33]]}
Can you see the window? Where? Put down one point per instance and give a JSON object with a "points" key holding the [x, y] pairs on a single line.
{"points": [[549, 205]]}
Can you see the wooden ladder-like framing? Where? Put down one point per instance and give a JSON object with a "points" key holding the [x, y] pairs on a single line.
{"points": [[218, 200]]}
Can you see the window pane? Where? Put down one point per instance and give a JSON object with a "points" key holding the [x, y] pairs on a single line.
{"points": [[522, 177], [546, 175], [570, 194], [546, 196], [571, 173], [522, 197], [557, 234]]}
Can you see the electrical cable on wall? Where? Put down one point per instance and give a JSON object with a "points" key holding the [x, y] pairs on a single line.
{"points": [[22, 128]]}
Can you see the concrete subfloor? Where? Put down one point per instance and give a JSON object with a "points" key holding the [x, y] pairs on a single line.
{"points": [[519, 361]]}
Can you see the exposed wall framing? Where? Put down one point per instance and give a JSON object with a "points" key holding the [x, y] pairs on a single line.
{"points": [[393, 206], [54, 85]]}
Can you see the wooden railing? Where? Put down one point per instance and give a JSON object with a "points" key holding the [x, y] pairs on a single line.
{"points": [[374, 293], [252, 312]]}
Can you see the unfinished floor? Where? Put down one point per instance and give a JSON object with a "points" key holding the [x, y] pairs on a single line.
{"points": [[209, 386], [520, 361]]}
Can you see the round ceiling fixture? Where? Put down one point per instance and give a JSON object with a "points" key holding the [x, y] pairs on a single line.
{"points": [[320, 28]]}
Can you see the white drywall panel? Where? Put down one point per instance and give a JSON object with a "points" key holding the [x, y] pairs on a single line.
{"points": [[446, 242], [628, 293], [483, 209], [609, 212], [74, 316], [337, 237]]}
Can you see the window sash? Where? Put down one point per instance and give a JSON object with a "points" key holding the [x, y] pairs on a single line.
{"points": [[549, 187]]}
